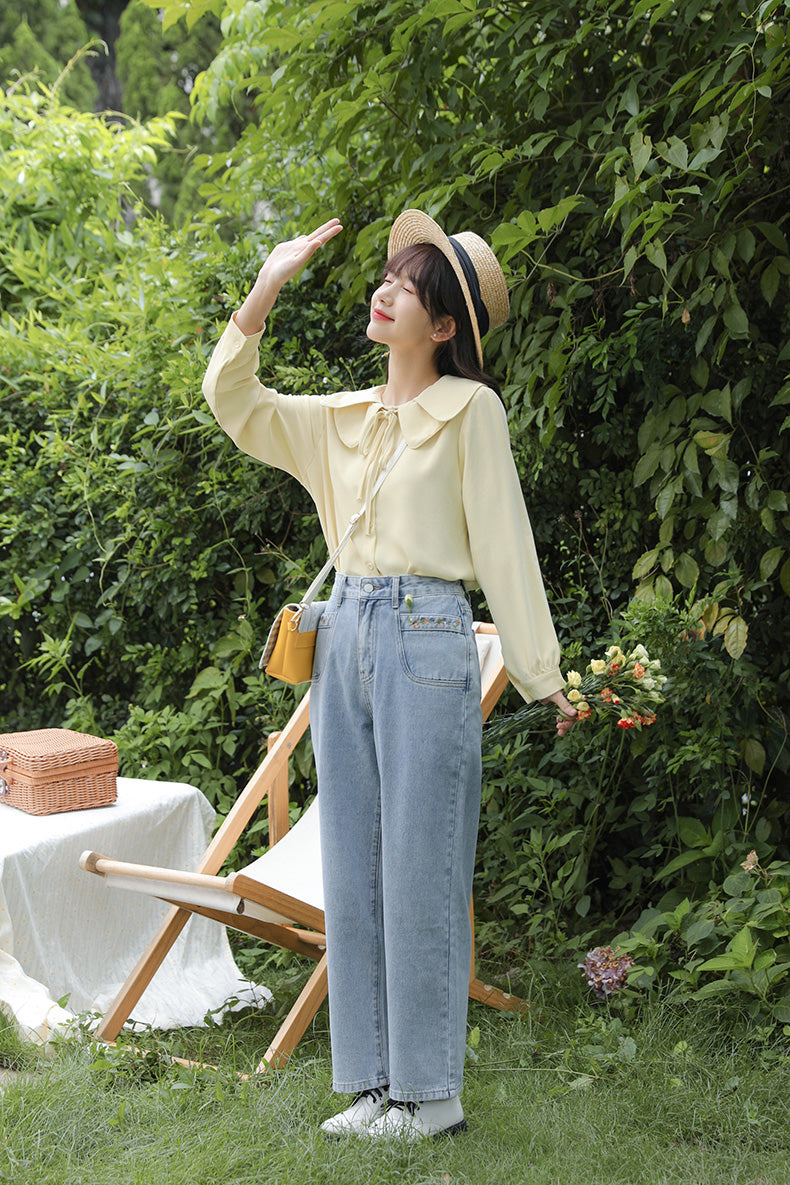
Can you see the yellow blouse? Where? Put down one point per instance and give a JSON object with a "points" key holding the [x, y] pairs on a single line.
{"points": [[452, 506]]}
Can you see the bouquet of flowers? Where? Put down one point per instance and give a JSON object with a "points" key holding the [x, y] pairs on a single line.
{"points": [[626, 686]]}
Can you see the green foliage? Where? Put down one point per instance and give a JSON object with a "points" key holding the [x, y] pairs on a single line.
{"points": [[49, 35], [157, 68], [733, 945]]}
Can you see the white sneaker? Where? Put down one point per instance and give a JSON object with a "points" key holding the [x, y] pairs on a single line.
{"points": [[414, 1121], [367, 1106]]}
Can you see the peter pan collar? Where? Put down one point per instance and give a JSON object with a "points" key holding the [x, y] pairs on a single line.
{"points": [[419, 419]]}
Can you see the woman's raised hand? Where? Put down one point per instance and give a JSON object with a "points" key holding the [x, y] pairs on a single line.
{"points": [[282, 264], [287, 259]]}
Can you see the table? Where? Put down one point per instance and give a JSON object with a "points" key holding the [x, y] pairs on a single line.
{"points": [[80, 939]]}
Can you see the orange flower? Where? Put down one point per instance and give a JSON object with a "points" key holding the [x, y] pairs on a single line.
{"points": [[638, 671]]}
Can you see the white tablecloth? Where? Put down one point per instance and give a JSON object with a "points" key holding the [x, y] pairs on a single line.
{"points": [[80, 939]]}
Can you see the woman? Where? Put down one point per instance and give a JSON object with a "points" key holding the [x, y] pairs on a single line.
{"points": [[395, 697]]}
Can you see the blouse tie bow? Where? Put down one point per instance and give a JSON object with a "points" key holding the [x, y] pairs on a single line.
{"points": [[376, 444]]}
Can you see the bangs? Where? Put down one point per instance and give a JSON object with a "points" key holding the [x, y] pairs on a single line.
{"points": [[420, 263]]}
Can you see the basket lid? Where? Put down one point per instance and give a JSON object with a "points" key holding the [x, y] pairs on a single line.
{"points": [[47, 742]]}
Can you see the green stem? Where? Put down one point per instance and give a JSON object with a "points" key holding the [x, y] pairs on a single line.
{"points": [[593, 832], [547, 883]]}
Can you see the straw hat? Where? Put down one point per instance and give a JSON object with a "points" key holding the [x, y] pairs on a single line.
{"points": [[474, 263]]}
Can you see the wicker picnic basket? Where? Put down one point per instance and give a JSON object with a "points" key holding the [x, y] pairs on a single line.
{"points": [[54, 769]]}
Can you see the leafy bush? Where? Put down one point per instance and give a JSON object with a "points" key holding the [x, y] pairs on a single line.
{"points": [[601, 822], [733, 945]]}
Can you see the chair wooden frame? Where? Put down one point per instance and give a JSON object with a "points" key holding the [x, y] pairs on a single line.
{"points": [[282, 919]]}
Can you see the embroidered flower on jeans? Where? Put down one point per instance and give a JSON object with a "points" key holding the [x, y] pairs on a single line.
{"points": [[436, 623]]}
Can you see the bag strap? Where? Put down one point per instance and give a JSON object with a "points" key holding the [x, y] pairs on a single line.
{"points": [[315, 587]]}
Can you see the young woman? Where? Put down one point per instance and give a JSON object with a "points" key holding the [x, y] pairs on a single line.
{"points": [[395, 697]]}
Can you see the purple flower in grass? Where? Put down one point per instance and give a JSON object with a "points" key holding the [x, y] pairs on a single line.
{"points": [[606, 971]]}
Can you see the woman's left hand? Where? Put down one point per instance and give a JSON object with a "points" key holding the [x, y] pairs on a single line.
{"points": [[568, 713]]}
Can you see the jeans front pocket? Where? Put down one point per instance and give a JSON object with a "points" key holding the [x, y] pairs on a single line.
{"points": [[433, 645], [324, 628]]}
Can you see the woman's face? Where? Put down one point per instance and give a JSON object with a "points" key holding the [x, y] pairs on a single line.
{"points": [[398, 317]]}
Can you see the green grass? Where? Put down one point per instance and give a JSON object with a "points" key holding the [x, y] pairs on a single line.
{"points": [[569, 1093]]}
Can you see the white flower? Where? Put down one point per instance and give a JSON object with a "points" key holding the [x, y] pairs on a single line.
{"points": [[574, 679]]}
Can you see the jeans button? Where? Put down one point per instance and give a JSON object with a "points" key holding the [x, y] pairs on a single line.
{"points": [[367, 587]]}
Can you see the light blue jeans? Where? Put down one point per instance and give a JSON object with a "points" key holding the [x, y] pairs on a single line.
{"points": [[397, 728]]}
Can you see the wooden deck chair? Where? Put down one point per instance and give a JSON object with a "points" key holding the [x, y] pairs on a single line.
{"points": [[278, 897]]}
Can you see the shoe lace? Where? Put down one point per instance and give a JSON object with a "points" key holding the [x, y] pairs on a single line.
{"points": [[400, 1105], [373, 1092]]}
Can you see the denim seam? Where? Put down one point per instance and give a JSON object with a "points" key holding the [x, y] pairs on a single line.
{"points": [[375, 888], [451, 861]]}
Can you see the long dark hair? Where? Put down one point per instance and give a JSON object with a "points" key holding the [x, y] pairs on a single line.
{"points": [[440, 295]]}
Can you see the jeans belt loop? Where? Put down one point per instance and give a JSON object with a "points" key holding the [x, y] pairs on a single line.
{"points": [[395, 592]]}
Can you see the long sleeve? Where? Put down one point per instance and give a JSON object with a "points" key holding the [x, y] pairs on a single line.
{"points": [[281, 430], [503, 550]]}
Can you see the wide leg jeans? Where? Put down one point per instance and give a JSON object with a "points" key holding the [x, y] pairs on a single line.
{"points": [[396, 725]]}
